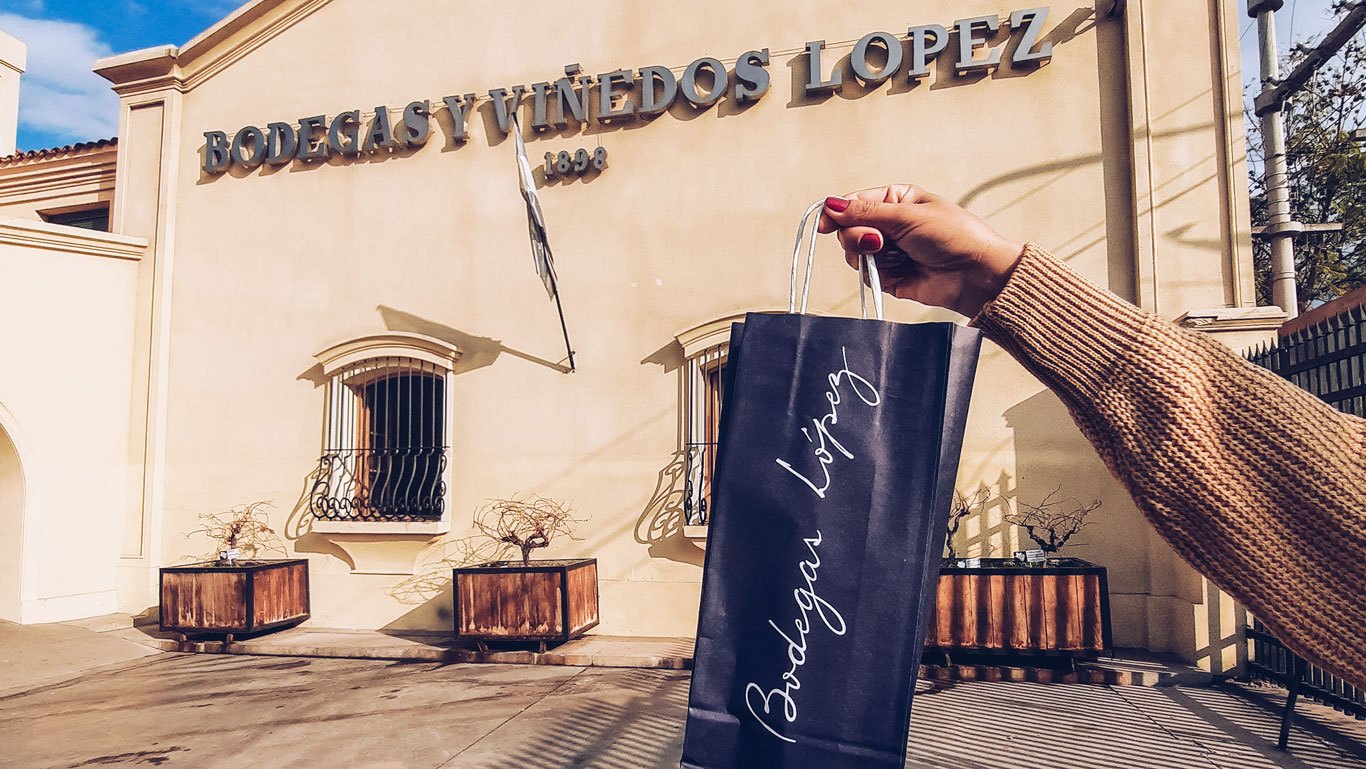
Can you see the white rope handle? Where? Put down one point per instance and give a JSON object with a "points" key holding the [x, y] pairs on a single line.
{"points": [[868, 276]]}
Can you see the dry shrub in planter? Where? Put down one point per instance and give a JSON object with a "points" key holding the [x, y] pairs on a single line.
{"points": [[1052, 522], [242, 531], [234, 590], [963, 506], [997, 606], [534, 600], [526, 524]]}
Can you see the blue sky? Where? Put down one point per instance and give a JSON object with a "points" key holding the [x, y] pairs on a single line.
{"points": [[62, 101]]}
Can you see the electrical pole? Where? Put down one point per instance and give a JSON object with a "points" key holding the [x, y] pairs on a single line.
{"points": [[1281, 227]]}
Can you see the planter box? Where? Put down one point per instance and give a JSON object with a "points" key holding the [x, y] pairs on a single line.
{"points": [[546, 601], [247, 597], [1007, 608]]}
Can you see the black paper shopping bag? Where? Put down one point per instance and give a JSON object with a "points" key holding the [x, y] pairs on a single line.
{"points": [[839, 449]]}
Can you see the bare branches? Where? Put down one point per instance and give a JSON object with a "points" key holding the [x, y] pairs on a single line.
{"points": [[964, 506], [1052, 522], [526, 524], [245, 528]]}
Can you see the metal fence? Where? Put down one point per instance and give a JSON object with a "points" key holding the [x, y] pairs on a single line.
{"points": [[1328, 360]]}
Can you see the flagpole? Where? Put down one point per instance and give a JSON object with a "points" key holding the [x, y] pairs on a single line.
{"points": [[540, 246], [555, 289]]}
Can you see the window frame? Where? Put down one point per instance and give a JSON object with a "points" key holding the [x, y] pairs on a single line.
{"points": [[705, 348], [82, 216], [356, 363], [704, 389]]}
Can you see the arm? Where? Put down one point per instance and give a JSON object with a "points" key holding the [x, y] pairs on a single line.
{"points": [[1255, 482]]}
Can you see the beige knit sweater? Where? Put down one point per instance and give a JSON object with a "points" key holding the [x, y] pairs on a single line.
{"points": [[1258, 484]]}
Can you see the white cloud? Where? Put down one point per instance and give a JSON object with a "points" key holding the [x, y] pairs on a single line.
{"points": [[59, 94]]}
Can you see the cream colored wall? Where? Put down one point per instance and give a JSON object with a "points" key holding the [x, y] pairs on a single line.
{"points": [[692, 221], [66, 302]]}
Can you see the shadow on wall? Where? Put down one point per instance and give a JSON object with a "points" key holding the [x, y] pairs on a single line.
{"points": [[986, 533], [1048, 449], [299, 526], [1202, 624], [475, 351], [430, 590], [1223, 647], [660, 525]]}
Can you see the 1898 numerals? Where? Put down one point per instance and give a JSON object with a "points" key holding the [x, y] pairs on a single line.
{"points": [[577, 164]]}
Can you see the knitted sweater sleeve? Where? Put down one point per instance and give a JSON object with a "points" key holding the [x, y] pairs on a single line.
{"points": [[1256, 483]]}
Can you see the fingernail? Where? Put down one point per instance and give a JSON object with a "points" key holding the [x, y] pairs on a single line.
{"points": [[836, 204], [870, 242]]}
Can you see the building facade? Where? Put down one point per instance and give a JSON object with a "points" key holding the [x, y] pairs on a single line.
{"points": [[315, 286]]}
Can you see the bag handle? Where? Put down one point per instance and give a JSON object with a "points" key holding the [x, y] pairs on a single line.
{"points": [[867, 269]]}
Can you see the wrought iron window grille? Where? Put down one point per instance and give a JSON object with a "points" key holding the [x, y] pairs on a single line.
{"points": [[385, 450], [703, 391]]}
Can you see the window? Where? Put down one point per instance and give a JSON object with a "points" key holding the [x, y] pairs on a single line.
{"points": [[704, 390], [87, 219], [386, 439]]}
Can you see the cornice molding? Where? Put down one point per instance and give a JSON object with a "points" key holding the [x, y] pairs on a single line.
{"points": [[184, 68], [1223, 319], [54, 179], [396, 344], [714, 332], [43, 236]]}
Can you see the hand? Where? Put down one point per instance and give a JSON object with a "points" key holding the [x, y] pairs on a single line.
{"points": [[953, 258]]}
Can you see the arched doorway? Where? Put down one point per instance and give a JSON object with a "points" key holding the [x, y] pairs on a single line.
{"points": [[12, 494]]}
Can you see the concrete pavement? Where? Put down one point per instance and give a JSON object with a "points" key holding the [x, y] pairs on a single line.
{"points": [[33, 654], [209, 711], [1127, 667], [131, 706]]}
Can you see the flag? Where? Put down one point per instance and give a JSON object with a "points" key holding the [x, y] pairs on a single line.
{"points": [[540, 247]]}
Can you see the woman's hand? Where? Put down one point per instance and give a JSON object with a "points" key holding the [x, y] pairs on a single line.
{"points": [[953, 258]]}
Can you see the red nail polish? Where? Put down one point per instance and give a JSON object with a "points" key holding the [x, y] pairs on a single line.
{"points": [[836, 204], [870, 242]]}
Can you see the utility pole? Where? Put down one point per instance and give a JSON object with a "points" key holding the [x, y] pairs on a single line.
{"points": [[1281, 227]]}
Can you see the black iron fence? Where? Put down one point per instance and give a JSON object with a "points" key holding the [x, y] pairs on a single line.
{"points": [[1273, 662], [1328, 360]]}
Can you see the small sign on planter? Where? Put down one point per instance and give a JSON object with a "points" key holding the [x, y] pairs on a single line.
{"points": [[230, 555], [1030, 557]]}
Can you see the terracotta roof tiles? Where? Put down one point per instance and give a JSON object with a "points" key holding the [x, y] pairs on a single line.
{"points": [[56, 152]]}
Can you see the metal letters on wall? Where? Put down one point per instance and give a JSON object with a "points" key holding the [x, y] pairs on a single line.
{"points": [[625, 95]]}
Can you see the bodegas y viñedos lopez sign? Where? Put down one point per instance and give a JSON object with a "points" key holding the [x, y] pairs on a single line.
{"points": [[624, 95]]}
